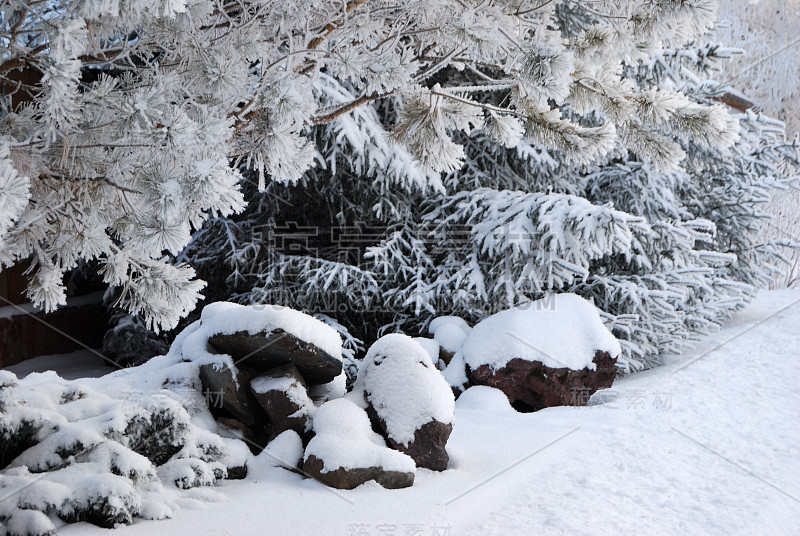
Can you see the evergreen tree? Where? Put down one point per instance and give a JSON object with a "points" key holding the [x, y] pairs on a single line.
{"points": [[399, 159], [634, 194]]}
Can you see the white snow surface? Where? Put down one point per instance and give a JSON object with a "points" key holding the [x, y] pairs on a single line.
{"points": [[406, 389], [705, 445], [285, 451], [563, 330], [336, 388], [430, 346], [344, 439], [228, 318]]}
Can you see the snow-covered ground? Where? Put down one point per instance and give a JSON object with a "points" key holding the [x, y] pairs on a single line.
{"points": [[708, 444]]}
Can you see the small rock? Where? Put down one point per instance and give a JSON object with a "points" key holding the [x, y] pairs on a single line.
{"points": [[237, 473], [227, 394], [531, 386], [129, 343], [235, 459], [346, 453], [283, 396], [352, 478]]}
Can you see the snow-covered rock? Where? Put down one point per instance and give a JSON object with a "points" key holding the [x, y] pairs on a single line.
{"points": [[408, 399], [450, 332], [235, 459], [551, 352], [265, 337], [345, 453], [233, 345], [563, 330], [282, 394]]}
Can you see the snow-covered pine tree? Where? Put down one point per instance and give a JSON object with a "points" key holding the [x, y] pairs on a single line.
{"points": [[450, 145], [628, 189]]}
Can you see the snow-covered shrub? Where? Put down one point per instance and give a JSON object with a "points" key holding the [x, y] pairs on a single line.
{"points": [[113, 448]]}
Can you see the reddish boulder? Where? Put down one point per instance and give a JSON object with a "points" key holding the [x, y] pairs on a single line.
{"points": [[345, 453], [531, 385]]}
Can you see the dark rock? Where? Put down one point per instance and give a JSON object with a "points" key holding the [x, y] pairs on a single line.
{"points": [[237, 473], [351, 478], [445, 355], [228, 394], [129, 343], [267, 350], [531, 386], [282, 394], [255, 439], [427, 449]]}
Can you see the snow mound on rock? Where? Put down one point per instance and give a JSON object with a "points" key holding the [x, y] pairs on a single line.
{"points": [[484, 398], [344, 439], [560, 331], [284, 451], [449, 331], [406, 389]]}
